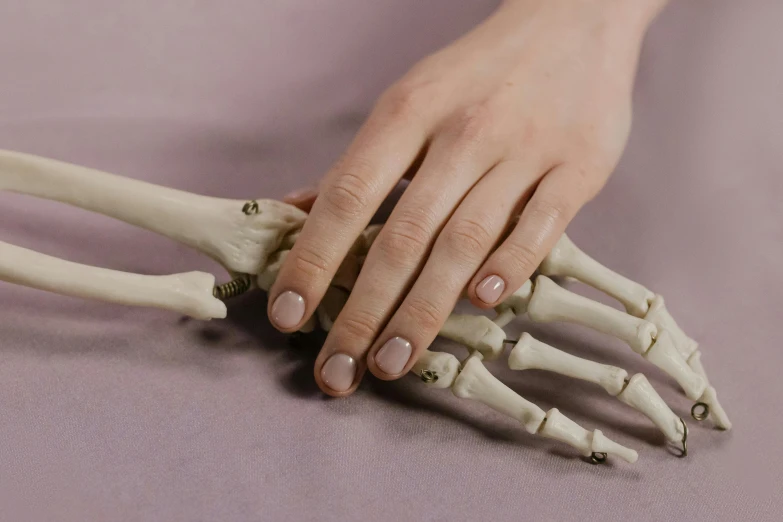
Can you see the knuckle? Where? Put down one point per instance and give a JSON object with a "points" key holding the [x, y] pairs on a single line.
{"points": [[522, 258], [468, 239], [310, 263], [552, 209], [358, 326], [347, 196], [402, 102], [471, 125], [405, 238], [425, 313]]}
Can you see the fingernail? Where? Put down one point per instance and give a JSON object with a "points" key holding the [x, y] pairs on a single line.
{"points": [[394, 355], [288, 310], [489, 289], [339, 372]]}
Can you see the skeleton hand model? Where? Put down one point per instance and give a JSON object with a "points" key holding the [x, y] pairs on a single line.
{"points": [[251, 238]]}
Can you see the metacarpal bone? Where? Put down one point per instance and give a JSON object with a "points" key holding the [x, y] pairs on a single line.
{"points": [[217, 227], [441, 367], [550, 302], [189, 293], [560, 427], [567, 260], [477, 383], [660, 317], [665, 356], [530, 353], [477, 332], [641, 396]]}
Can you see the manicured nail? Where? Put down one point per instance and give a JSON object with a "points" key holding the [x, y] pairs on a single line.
{"points": [[288, 310], [489, 289], [394, 355], [339, 372]]}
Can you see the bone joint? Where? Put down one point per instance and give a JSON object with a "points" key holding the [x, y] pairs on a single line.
{"points": [[253, 238], [475, 382]]}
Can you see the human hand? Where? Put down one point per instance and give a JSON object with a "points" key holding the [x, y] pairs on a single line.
{"points": [[516, 125]]}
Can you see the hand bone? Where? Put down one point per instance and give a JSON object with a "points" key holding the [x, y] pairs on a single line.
{"points": [[253, 238]]}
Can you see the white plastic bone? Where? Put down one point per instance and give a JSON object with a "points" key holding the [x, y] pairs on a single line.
{"points": [[477, 332], [567, 260], [255, 239], [602, 444], [514, 305], [189, 293], [640, 395], [560, 427], [440, 364], [550, 302], [710, 396], [217, 227], [660, 317], [665, 356], [477, 383], [531, 354]]}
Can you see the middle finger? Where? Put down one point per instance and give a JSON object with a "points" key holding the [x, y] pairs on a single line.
{"points": [[452, 166]]}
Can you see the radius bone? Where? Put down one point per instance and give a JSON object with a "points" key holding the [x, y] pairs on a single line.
{"points": [[567, 260]]}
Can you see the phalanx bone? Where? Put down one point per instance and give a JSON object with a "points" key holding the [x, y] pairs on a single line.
{"points": [[251, 238]]}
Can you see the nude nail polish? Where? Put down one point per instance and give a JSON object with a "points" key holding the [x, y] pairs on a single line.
{"points": [[393, 355], [490, 289], [288, 310], [339, 372]]}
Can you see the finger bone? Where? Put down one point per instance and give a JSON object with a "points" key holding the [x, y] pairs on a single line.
{"points": [[567, 260], [550, 302], [477, 332], [530, 353]]}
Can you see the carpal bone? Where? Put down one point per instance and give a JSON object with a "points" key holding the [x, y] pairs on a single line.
{"points": [[567, 260], [437, 369], [550, 302], [641, 396], [477, 383], [660, 317], [665, 356], [217, 227], [560, 427], [532, 354], [477, 332], [189, 293]]}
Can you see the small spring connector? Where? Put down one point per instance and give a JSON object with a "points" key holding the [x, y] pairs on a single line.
{"points": [[234, 288]]}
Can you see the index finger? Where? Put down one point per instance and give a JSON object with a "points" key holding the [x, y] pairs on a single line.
{"points": [[353, 190]]}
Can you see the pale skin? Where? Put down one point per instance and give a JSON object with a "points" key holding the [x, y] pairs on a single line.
{"points": [[507, 133]]}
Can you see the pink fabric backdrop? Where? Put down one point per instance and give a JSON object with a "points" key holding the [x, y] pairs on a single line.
{"points": [[110, 413]]}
